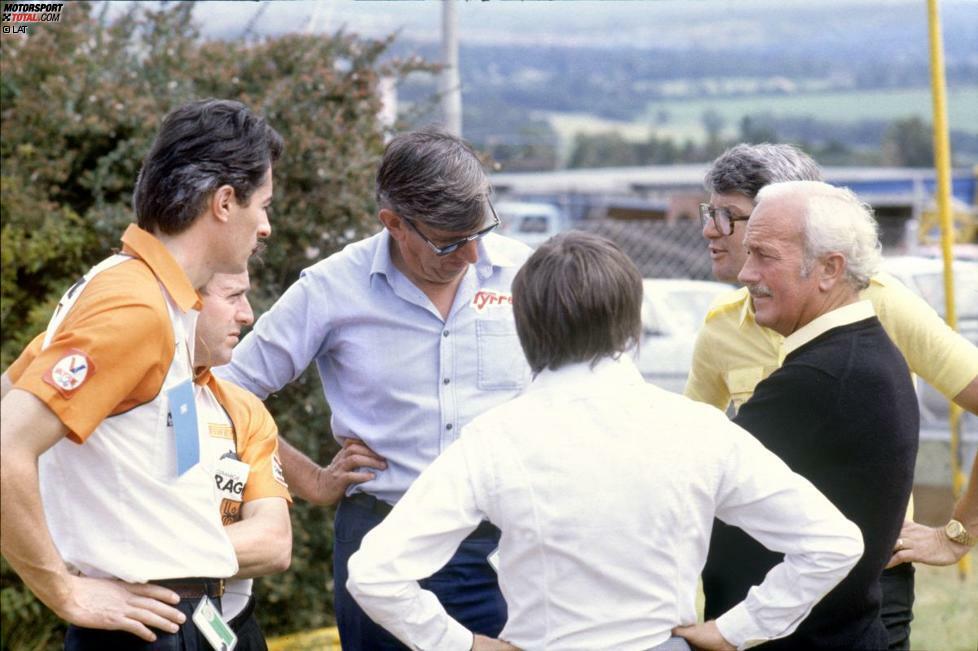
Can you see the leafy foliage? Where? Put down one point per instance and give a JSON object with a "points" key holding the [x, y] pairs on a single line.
{"points": [[81, 101]]}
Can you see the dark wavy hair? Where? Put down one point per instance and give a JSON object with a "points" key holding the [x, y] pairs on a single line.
{"points": [[202, 146], [432, 177]]}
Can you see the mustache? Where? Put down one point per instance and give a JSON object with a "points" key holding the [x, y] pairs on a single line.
{"points": [[256, 252], [759, 291]]}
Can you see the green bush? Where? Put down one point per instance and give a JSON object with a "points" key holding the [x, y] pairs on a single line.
{"points": [[81, 101]]}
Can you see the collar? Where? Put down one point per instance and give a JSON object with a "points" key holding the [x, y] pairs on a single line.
{"points": [[203, 376], [607, 374], [382, 263], [840, 316], [746, 308], [143, 245]]}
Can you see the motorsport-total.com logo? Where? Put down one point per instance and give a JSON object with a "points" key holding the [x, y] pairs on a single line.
{"points": [[19, 16]]}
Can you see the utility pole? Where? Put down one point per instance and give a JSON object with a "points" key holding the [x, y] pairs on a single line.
{"points": [[450, 87]]}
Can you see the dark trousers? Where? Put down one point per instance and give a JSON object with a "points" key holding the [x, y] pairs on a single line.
{"points": [[244, 625], [187, 638], [466, 586], [896, 611]]}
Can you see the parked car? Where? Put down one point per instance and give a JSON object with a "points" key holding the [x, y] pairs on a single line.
{"points": [[672, 313], [532, 223]]}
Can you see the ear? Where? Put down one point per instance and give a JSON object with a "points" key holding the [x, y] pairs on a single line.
{"points": [[833, 270], [393, 223], [221, 202]]}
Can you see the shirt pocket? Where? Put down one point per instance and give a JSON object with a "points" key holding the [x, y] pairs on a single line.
{"points": [[741, 383], [502, 365]]}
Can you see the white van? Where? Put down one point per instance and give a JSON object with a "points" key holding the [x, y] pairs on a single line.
{"points": [[532, 223]]}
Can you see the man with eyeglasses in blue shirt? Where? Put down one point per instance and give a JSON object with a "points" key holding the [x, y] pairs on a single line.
{"points": [[412, 333]]}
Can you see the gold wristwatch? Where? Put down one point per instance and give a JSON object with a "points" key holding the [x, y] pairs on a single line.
{"points": [[955, 531]]}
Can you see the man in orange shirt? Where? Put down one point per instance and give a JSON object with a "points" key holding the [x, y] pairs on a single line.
{"points": [[244, 440], [106, 492]]}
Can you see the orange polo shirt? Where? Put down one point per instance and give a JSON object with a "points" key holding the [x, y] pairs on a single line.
{"points": [[119, 329]]}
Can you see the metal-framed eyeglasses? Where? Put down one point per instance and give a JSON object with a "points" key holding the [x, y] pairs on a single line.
{"points": [[722, 218], [452, 247]]}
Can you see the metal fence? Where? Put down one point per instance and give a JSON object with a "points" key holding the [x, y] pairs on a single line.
{"points": [[659, 249]]}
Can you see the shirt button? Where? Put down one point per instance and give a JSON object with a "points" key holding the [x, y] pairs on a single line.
{"points": [[445, 334], [449, 426], [445, 381]]}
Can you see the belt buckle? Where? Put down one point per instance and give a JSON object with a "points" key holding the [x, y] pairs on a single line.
{"points": [[220, 588]]}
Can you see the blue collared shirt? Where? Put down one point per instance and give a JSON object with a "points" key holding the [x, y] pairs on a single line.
{"points": [[395, 373]]}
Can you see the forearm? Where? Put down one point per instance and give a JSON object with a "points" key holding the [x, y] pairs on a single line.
{"points": [[966, 509], [26, 542], [301, 472], [967, 398], [262, 539]]}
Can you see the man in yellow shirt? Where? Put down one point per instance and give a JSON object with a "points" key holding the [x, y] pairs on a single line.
{"points": [[733, 353]]}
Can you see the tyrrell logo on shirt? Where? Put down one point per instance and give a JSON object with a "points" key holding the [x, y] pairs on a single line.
{"points": [[485, 299]]}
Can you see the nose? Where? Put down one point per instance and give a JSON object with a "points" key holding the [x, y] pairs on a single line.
{"points": [[710, 230], [245, 315], [748, 275], [264, 228], [469, 252]]}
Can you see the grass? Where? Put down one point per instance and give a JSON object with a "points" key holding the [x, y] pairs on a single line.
{"points": [[946, 609], [945, 615], [685, 115]]}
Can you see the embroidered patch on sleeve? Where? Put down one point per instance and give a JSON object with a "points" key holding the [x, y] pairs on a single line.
{"points": [[277, 471], [70, 372]]}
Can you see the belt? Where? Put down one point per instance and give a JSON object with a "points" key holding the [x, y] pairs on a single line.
{"points": [[194, 587], [380, 508]]}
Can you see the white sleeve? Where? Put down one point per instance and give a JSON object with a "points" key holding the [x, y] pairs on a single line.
{"points": [[413, 542], [786, 513]]}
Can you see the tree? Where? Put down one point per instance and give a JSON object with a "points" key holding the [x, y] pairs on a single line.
{"points": [[81, 101], [908, 143], [608, 149]]}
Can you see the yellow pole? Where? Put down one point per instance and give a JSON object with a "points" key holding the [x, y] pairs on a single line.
{"points": [[942, 162]]}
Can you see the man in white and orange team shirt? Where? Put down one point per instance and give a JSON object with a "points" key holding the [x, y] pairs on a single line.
{"points": [[242, 438], [107, 495]]}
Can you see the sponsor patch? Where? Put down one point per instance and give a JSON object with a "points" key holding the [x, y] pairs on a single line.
{"points": [[220, 431], [484, 300], [277, 471], [70, 372]]}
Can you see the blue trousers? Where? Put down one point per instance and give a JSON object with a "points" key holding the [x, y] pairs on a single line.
{"points": [[466, 586]]}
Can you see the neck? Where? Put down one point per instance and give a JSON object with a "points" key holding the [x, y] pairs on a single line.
{"points": [[842, 295], [189, 254]]}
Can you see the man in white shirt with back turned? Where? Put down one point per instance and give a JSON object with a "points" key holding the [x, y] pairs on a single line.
{"points": [[604, 488]]}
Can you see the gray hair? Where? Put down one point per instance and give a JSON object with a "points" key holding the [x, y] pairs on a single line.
{"points": [[745, 169], [432, 177], [835, 221], [578, 298]]}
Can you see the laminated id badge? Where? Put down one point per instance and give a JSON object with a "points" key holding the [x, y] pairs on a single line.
{"points": [[183, 416], [208, 621]]}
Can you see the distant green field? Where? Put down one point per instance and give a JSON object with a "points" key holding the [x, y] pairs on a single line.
{"points": [[684, 116]]}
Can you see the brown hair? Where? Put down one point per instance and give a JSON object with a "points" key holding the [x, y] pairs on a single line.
{"points": [[577, 298]]}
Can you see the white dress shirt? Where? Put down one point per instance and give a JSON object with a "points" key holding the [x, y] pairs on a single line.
{"points": [[605, 489]]}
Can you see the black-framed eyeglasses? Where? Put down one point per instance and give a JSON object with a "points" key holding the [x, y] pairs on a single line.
{"points": [[456, 245], [722, 218]]}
